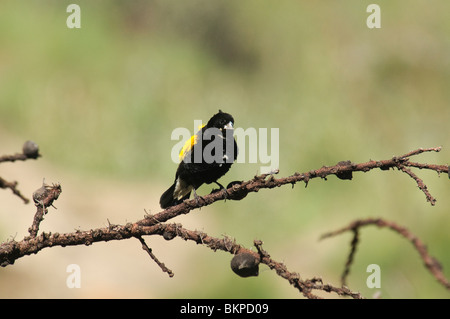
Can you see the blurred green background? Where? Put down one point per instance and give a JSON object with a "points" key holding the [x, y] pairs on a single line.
{"points": [[102, 101]]}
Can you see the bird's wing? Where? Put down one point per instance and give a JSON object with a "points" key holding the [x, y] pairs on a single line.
{"points": [[189, 144]]}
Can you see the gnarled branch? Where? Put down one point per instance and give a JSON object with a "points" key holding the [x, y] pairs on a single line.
{"points": [[30, 150], [156, 224], [431, 263]]}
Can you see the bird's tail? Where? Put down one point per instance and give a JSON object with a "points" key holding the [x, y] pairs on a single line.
{"points": [[167, 198]]}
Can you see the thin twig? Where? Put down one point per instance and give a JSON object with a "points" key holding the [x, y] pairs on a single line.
{"points": [[351, 256], [420, 184], [437, 168], [422, 150], [30, 150], [13, 188], [155, 259], [431, 263]]}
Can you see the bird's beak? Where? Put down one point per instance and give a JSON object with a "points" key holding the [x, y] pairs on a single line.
{"points": [[229, 126]]}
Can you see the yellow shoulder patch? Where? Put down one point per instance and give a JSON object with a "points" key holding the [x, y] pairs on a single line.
{"points": [[189, 144]]}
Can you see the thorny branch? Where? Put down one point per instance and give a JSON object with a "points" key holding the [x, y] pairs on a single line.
{"points": [[13, 187], [30, 150], [351, 256], [431, 263], [155, 259], [44, 197]]}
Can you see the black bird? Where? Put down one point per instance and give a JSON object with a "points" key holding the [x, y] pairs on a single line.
{"points": [[205, 158]]}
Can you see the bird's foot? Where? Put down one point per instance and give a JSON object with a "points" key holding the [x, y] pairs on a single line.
{"points": [[197, 198]]}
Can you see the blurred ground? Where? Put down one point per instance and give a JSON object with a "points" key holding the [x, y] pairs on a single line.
{"points": [[102, 101]]}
